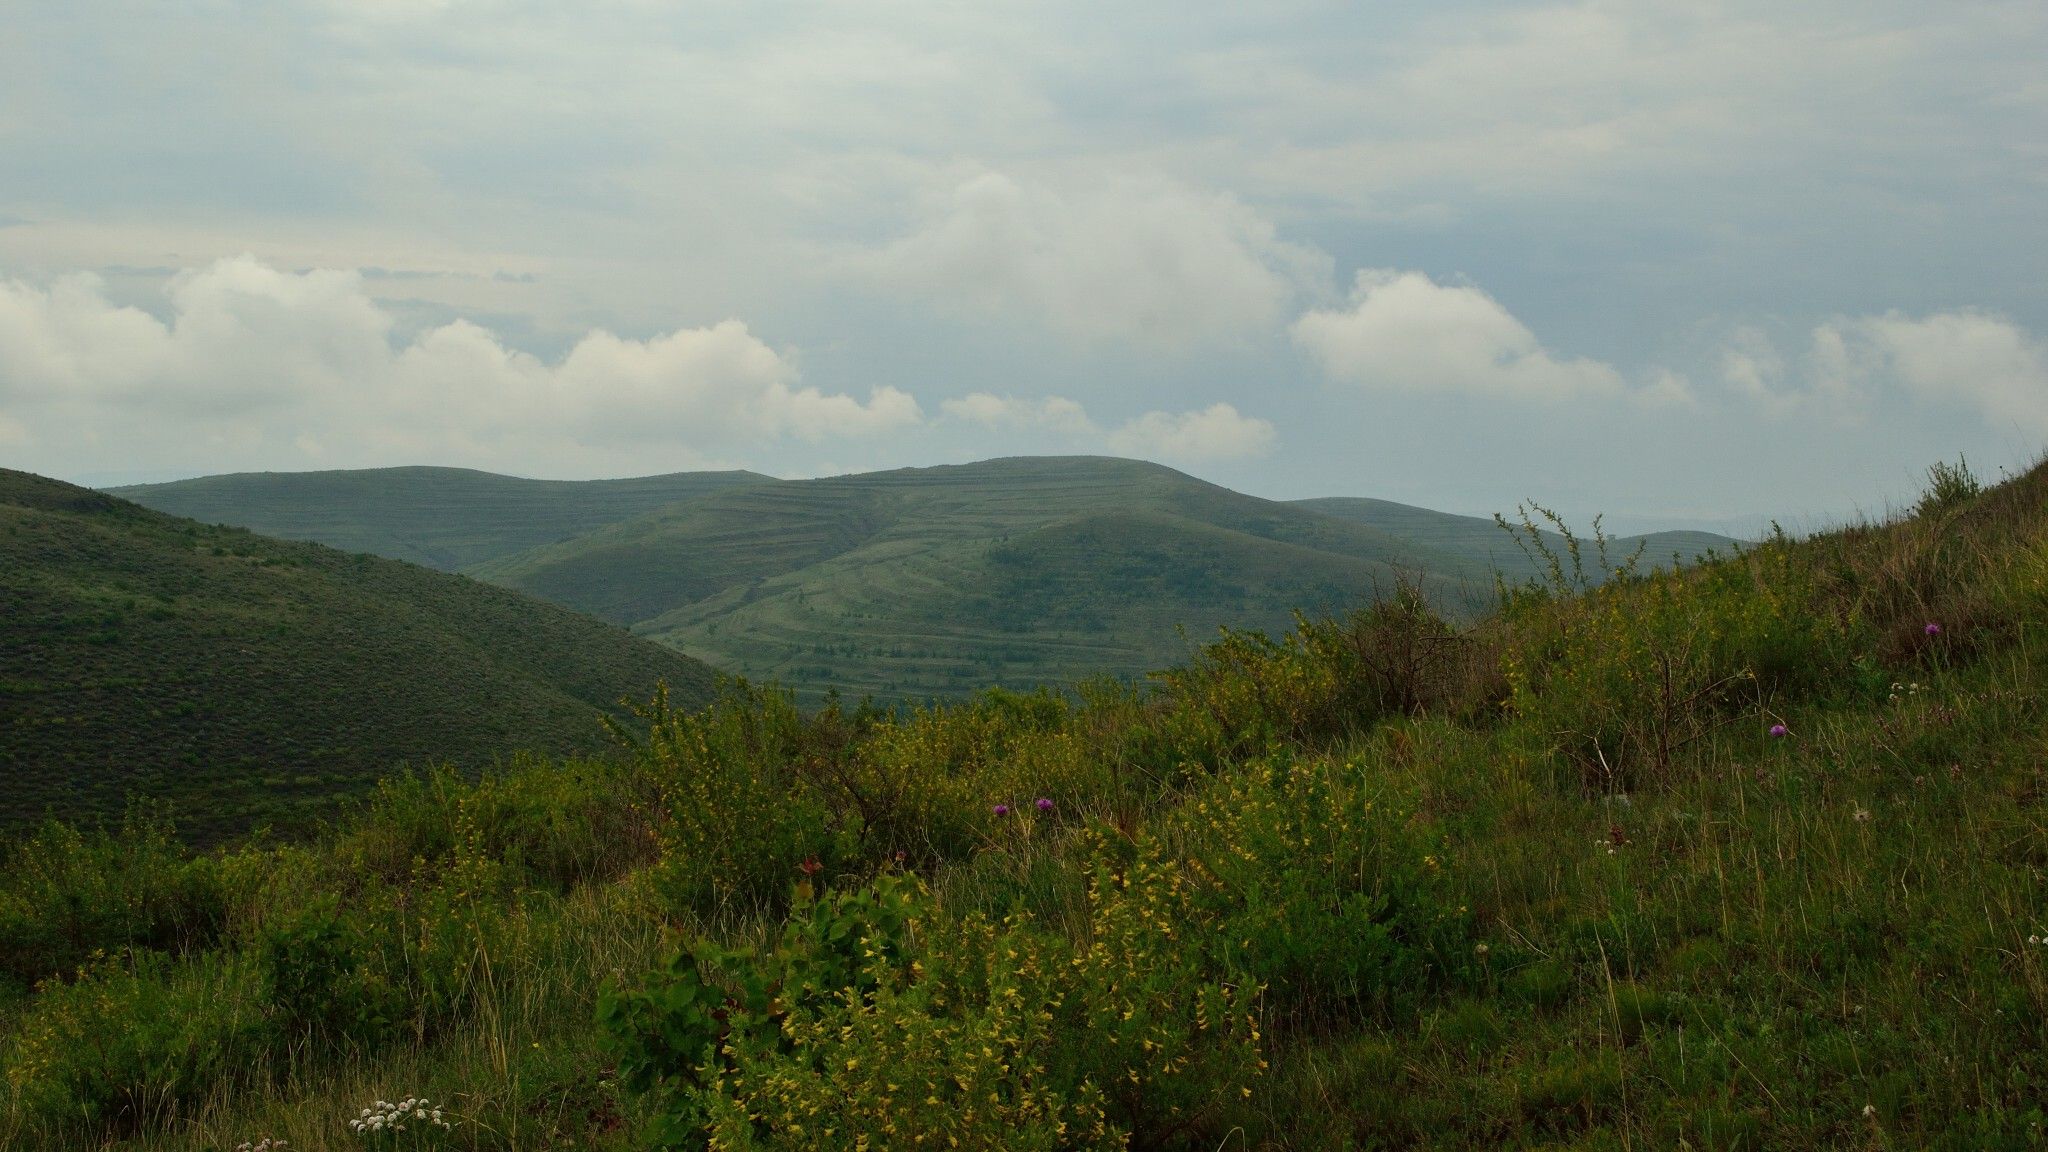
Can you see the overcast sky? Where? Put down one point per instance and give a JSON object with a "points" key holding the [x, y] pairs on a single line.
{"points": [[1679, 261]]}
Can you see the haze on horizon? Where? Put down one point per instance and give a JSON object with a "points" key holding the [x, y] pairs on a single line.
{"points": [[1678, 262]]}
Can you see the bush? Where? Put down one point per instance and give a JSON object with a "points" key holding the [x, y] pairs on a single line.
{"points": [[133, 1039], [1318, 885], [739, 815], [877, 1016], [66, 894]]}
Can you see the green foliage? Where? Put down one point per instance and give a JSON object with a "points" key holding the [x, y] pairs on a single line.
{"points": [[1948, 485], [1321, 891], [1314, 892], [131, 1040], [1622, 679], [66, 894]]}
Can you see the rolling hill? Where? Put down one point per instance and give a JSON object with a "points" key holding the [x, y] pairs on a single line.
{"points": [[250, 679], [909, 583], [930, 581], [446, 518]]}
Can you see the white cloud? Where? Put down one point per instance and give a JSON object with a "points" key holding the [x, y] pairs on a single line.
{"points": [[289, 362], [1052, 413], [1403, 331], [1974, 358], [1217, 432], [1146, 261]]}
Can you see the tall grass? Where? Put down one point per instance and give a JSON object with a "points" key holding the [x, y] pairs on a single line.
{"points": [[1750, 855]]}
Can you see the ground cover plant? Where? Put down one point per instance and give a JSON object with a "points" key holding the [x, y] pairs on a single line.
{"points": [[1749, 855]]}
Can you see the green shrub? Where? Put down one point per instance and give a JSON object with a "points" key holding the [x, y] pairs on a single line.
{"points": [[66, 894], [1321, 887], [739, 814], [877, 1017], [318, 974], [133, 1039]]}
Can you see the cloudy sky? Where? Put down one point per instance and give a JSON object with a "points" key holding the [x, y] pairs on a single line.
{"points": [[1677, 261]]}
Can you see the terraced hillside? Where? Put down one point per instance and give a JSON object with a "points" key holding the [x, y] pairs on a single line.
{"points": [[446, 518], [250, 679], [940, 580]]}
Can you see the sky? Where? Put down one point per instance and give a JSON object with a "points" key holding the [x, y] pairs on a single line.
{"points": [[1685, 263]]}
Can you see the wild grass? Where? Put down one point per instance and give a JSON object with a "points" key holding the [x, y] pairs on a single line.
{"points": [[1747, 856]]}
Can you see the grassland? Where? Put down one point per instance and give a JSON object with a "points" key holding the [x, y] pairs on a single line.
{"points": [[1752, 855], [908, 584], [252, 680], [445, 518], [936, 581]]}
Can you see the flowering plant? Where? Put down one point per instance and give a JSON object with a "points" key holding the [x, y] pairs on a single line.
{"points": [[382, 1121]]}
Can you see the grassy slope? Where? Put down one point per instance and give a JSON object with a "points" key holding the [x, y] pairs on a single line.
{"points": [[939, 580], [1827, 939], [1477, 536], [248, 678], [446, 518]]}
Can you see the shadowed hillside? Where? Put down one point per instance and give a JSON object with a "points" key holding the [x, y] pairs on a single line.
{"points": [[252, 679]]}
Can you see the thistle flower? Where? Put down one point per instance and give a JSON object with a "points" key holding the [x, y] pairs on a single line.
{"points": [[1779, 730], [1045, 803], [1932, 629], [1002, 809]]}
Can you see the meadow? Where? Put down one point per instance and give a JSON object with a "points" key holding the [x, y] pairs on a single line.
{"points": [[1745, 855]]}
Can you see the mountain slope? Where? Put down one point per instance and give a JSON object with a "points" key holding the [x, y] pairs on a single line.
{"points": [[1478, 537], [939, 580], [250, 679], [446, 518]]}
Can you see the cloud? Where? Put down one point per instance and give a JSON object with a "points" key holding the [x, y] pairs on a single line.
{"points": [[1403, 331], [288, 359], [1144, 261], [1217, 432], [1976, 358], [1052, 413]]}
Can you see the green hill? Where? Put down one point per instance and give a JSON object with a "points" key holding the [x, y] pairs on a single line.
{"points": [[1746, 855], [1479, 537], [936, 581], [446, 518], [903, 584], [252, 679]]}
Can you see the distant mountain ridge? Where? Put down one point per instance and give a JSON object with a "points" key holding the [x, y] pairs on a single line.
{"points": [[249, 679], [912, 582]]}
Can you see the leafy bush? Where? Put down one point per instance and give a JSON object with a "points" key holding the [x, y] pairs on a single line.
{"points": [[132, 1039], [66, 894], [739, 814], [877, 1017], [1319, 885]]}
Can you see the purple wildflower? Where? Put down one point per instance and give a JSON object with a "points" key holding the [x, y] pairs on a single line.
{"points": [[1778, 730], [1045, 803], [1002, 809], [1932, 629]]}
